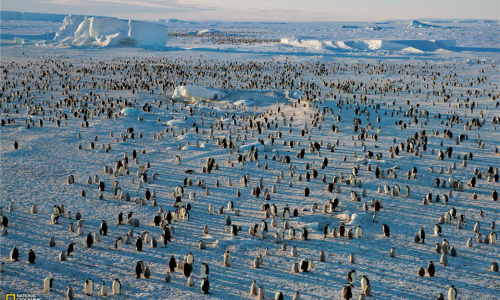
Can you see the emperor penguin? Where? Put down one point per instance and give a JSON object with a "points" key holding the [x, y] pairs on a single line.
{"points": [[421, 235], [104, 289], [352, 276], [70, 294], [387, 232], [227, 259], [187, 269], [89, 240], [304, 265], [138, 244], [440, 296], [47, 283], [493, 237], [205, 286], [291, 233], [293, 251], [88, 287], [295, 268], [117, 287], [261, 293], [437, 230], [147, 272], [31, 256], [431, 270], [139, 268], [392, 252], [172, 264], [52, 242], [364, 282], [71, 248], [296, 296], [494, 266], [359, 231], [62, 256], [421, 272], [452, 293], [278, 296], [204, 270], [326, 230], [103, 229], [119, 243], [347, 292], [253, 288]]}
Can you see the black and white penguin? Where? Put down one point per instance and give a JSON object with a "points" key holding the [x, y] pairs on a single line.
{"points": [[431, 270], [70, 294], [138, 244], [421, 235], [89, 240], [103, 229], [119, 243], [187, 269], [452, 293], [88, 287], [205, 286], [172, 264], [347, 292], [304, 265], [120, 218], [14, 254], [227, 259], [139, 268], [278, 296], [352, 276], [71, 248], [31, 256], [341, 229], [437, 230], [47, 283], [387, 232], [204, 270], [117, 287]]}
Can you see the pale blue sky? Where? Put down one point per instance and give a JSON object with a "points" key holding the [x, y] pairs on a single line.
{"points": [[266, 10]]}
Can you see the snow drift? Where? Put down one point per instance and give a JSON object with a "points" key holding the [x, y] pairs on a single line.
{"points": [[108, 32], [236, 96], [371, 45]]}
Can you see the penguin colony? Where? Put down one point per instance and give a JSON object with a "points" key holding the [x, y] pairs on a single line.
{"points": [[389, 165]]}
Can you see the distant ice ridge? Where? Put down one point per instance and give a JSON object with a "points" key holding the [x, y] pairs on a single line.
{"points": [[416, 46], [244, 97], [29, 16], [108, 32], [417, 24]]}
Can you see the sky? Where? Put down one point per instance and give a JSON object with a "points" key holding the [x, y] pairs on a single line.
{"points": [[265, 10]]}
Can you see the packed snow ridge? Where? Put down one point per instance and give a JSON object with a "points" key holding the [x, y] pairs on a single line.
{"points": [[109, 32], [417, 46]]}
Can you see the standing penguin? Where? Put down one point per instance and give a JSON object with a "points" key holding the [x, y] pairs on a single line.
{"points": [[103, 229], [278, 296], [204, 270], [205, 286], [387, 232], [227, 259], [71, 248], [261, 293], [431, 269], [70, 294], [347, 292], [14, 254], [253, 288], [117, 287], [437, 230], [172, 264], [421, 235], [138, 244], [364, 282], [452, 293], [187, 269], [304, 265], [104, 289], [352, 276], [31, 256], [88, 287], [139, 267], [47, 283], [89, 240]]}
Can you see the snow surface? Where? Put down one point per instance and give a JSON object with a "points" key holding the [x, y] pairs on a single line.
{"points": [[38, 170]]}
